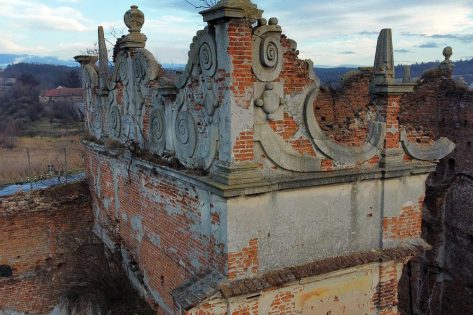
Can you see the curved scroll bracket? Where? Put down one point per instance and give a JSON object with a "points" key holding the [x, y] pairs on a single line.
{"points": [[282, 154], [338, 152], [436, 151]]}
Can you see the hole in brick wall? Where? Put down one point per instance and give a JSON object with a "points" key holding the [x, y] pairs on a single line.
{"points": [[468, 144], [465, 123], [418, 140], [317, 108], [451, 164], [162, 280], [323, 119], [5, 271]]}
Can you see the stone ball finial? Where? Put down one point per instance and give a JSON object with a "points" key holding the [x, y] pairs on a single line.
{"points": [[134, 19], [447, 52]]}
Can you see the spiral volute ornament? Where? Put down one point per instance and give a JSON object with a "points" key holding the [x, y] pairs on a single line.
{"points": [[157, 128], [269, 52], [208, 55], [185, 132]]}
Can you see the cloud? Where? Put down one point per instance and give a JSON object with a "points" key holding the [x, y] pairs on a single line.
{"points": [[37, 16], [368, 33], [429, 45], [402, 51], [348, 52], [463, 37]]}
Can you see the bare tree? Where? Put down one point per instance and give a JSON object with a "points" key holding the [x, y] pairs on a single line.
{"points": [[202, 4]]}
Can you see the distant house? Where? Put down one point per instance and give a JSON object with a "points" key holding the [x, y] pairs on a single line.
{"points": [[62, 94], [73, 96]]}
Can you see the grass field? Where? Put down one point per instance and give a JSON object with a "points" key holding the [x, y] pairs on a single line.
{"points": [[43, 151]]}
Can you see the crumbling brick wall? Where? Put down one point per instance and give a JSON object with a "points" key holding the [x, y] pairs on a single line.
{"points": [[49, 256], [157, 222], [439, 282]]}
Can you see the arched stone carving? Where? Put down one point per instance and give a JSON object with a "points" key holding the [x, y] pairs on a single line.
{"points": [[267, 50], [202, 53], [114, 122], [336, 151], [436, 151]]}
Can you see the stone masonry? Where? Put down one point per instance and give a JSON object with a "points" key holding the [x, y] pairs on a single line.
{"points": [[244, 187]]}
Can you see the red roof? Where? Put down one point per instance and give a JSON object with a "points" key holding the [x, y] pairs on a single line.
{"points": [[62, 91]]}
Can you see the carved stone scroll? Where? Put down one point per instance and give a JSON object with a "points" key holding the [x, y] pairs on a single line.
{"points": [[436, 151], [202, 53], [267, 50], [282, 154], [157, 126]]}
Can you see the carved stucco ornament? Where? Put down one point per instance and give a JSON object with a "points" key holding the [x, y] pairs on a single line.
{"points": [[210, 102], [282, 153], [195, 142], [157, 126], [202, 54], [114, 122], [271, 100], [339, 152], [436, 151], [267, 50]]}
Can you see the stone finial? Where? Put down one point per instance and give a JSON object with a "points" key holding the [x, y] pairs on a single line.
{"points": [[384, 59], [232, 9], [447, 53], [406, 78], [134, 20], [103, 58], [447, 64]]}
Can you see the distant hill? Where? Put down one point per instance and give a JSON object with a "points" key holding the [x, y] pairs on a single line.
{"points": [[49, 76], [9, 59]]}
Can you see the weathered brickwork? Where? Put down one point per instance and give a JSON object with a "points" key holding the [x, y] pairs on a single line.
{"points": [[387, 295], [407, 225], [344, 112], [159, 222], [245, 263], [42, 236], [239, 48], [54, 257], [243, 151]]}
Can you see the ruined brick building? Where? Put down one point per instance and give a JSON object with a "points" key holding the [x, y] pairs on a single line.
{"points": [[245, 187]]}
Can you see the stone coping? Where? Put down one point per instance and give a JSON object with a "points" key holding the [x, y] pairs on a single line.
{"points": [[209, 283], [297, 180]]}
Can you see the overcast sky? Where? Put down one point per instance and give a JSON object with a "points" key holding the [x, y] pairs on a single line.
{"points": [[330, 32]]}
